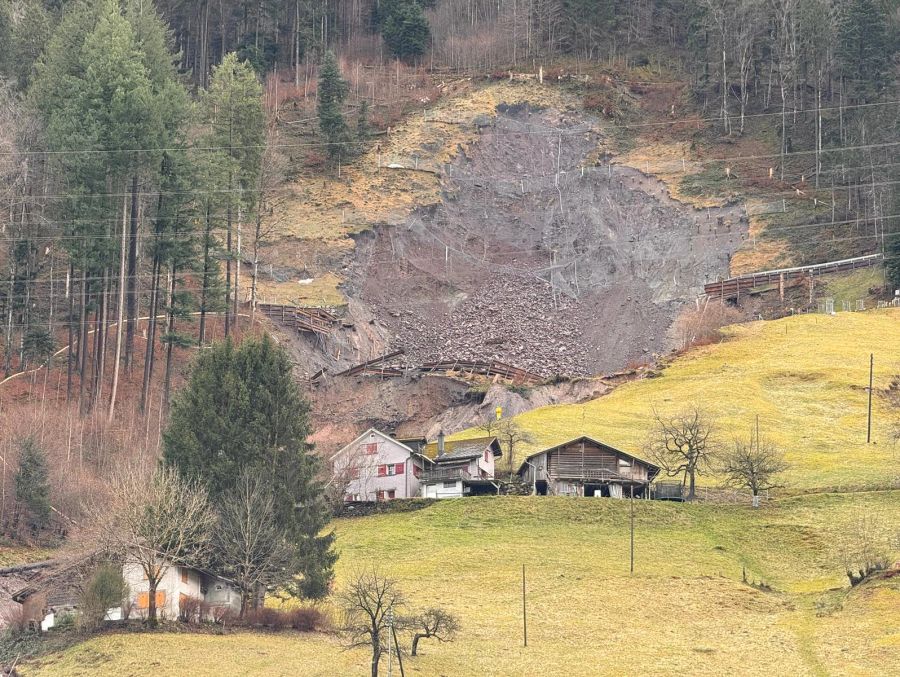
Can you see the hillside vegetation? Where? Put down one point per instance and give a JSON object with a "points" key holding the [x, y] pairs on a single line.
{"points": [[805, 376], [684, 609]]}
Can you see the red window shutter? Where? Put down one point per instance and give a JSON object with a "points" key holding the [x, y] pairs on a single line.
{"points": [[399, 469], [354, 473], [372, 448], [382, 470]]}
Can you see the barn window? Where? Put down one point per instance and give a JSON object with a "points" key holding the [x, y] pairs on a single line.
{"points": [[379, 495], [354, 473], [372, 448], [184, 575], [485, 455], [449, 485], [391, 494]]}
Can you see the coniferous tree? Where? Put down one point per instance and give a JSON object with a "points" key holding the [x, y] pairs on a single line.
{"points": [[33, 485], [242, 412], [332, 92], [233, 109], [405, 29]]}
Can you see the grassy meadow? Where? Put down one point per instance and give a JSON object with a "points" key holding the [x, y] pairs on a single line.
{"points": [[685, 609], [805, 376]]}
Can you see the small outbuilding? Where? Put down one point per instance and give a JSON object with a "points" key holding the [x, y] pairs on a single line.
{"points": [[460, 467], [587, 467]]}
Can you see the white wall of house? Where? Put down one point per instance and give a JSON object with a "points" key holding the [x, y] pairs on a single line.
{"points": [[377, 467], [443, 490], [176, 582]]}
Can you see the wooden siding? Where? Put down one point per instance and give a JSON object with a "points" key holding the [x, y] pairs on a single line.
{"points": [[592, 462]]}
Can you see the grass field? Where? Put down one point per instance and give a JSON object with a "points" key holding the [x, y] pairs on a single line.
{"points": [[805, 376], [685, 608]]}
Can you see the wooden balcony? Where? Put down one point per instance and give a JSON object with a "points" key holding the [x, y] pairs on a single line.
{"points": [[445, 475]]}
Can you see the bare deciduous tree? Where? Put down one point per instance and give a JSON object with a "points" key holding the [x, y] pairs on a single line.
{"points": [[366, 603], [754, 465], [253, 551], [154, 522], [683, 444], [434, 623], [864, 548], [511, 437]]}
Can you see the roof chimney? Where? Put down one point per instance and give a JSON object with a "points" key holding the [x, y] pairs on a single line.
{"points": [[440, 444]]}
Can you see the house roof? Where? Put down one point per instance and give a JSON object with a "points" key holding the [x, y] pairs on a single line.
{"points": [[457, 450], [377, 433], [651, 467]]}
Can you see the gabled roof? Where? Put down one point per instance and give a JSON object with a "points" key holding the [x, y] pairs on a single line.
{"points": [[458, 450], [651, 467], [377, 433]]}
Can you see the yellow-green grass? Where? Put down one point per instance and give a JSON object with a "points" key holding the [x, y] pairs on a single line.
{"points": [[805, 376], [685, 608]]}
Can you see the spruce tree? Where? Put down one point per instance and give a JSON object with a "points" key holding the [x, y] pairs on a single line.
{"points": [[332, 92], [33, 485], [405, 29], [241, 411]]}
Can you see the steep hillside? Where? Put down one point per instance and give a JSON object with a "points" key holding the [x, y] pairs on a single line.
{"points": [[804, 376], [684, 609]]}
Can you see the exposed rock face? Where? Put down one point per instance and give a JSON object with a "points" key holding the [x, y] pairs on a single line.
{"points": [[532, 261]]}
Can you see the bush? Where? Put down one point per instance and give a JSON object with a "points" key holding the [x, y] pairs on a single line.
{"points": [[190, 610], [307, 619], [267, 618], [105, 590], [224, 615]]}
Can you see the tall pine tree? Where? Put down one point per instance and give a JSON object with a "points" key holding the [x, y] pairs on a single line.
{"points": [[332, 92], [242, 411]]}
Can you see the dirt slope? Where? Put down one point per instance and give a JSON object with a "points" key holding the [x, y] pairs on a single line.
{"points": [[569, 272]]}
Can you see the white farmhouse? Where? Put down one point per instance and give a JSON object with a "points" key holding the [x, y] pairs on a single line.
{"points": [[377, 467]]}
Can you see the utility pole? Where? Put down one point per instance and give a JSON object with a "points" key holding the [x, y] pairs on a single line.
{"points": [[632, 528], [524, 616], [871, 378]]}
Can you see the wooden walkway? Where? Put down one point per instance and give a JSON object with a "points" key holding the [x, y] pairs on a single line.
{"points": [[734, 286]]}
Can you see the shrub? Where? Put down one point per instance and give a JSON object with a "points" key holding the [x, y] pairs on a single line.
{"points": [[224, 615], [700, 325], [106, 589], [307, 619], [190, 610], [267, 618]]}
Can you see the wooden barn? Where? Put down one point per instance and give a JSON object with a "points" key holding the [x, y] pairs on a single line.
{"points": [[586, 467]]}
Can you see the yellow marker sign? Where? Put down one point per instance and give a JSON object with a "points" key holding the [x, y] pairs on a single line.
{"points": [[499, 413]]}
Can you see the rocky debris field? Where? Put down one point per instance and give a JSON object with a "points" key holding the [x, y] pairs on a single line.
{"points": [[509, 319], [524, 208]]}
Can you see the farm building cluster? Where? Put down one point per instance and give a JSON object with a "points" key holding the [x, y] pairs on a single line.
{"points": [[379, 467]]}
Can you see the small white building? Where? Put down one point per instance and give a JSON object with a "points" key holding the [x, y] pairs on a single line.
{"points": [[54, 590], [460, 467], [378, 467], [179, 582]]}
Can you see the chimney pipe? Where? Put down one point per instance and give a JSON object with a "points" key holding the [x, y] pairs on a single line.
{"points": [[440, 444]]}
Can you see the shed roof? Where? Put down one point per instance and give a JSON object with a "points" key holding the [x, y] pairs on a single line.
{"points": [[457, 450], [653, 469]]}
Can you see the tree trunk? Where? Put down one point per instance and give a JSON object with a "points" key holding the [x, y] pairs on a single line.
{"points": [[132, 275], [120, 315], [170, 331], [204, 288], [150, 351], [152, 583], [415, 643], [71, 324], [692, 482]]}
